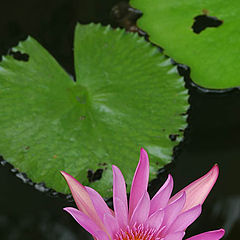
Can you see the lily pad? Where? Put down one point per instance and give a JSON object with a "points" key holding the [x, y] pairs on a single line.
{"points": [[211, 51], [126, 95]]}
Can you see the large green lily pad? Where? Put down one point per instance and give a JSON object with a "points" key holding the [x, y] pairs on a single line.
{"points": [[127, 95], [213, 54]]}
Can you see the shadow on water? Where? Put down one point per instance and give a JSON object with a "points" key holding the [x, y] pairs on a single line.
{"points": [[212, 135]]}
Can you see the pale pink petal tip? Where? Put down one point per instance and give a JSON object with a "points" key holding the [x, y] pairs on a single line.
{"points": [[65, 174], [82, 198], [143, 154], [197, 191], [70, 179], [77, 189]]}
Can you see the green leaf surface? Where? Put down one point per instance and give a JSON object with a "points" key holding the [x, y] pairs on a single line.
{"points": [[213, 54], [127, 95]]}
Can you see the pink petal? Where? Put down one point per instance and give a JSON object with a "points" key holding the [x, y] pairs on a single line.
{"points": [[141, 211], [120, 213], [211, 235], [171, 211], [197, 191], [185, 219], [119, 192], [82, 198], [100, 235], [175, 236], [155, 220], [111, 224], [85, 221], [98, 203], [140, 181], [160, 200]]}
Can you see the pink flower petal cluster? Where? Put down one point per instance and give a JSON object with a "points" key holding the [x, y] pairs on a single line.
{"points": [[161, 218]]}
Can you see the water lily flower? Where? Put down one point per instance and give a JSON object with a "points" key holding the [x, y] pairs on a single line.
{"points": [[161, 218]]}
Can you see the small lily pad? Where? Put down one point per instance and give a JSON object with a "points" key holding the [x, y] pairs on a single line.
{"points": [[199, 33], [126, 95]]}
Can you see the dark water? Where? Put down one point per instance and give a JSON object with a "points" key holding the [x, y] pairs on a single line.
{"points": [[212, 136]]}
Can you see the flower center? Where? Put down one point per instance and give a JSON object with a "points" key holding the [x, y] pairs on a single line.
{"points": [[137, 233]]}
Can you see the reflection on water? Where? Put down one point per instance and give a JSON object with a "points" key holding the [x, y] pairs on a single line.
{"points": [[228, 209], [31, 226]]}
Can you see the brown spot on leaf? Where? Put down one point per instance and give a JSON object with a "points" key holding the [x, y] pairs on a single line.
{"points": [[205, 11]]}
